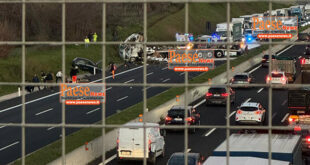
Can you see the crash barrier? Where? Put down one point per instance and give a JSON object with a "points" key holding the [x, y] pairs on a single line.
{"points": [[81, 156]]}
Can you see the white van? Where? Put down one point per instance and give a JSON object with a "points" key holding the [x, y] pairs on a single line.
{"points": [[130, 142]]}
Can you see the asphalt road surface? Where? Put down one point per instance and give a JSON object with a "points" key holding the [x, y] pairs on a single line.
{"points": [[44, 107], [206, 140]]}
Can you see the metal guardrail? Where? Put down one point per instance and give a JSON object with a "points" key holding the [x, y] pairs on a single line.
{"points": [[186, 84]]}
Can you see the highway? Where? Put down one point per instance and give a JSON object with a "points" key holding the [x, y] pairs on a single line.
{"points": [[206, 140], [44, 107]]}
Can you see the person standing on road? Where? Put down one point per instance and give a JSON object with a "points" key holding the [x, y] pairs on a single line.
{"points": [[58, 76], [73, 73], [86, 41], [36, 79], [43, 78], [112, 69], [95, 36]]}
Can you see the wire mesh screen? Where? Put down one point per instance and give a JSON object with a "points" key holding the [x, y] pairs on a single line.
{"points": [[106, 81]]}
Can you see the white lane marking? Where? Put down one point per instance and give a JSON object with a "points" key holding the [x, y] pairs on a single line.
{"points": [[202, 101], [247, 100], [274, 115], [109, 159], [231, 114], [284, 102], [260, 90], [41, 98], [166, 80], [224, 59], [3, 126], [44, 111], [254, 69], [209, 132], [108, 88], [129, 81], [285, 117], [89, 112], [122, 98], [182, 73], [149, 73], [284, 50], [146, 88], [50, 128], [188, 150], [164, 68], [1, 149]]}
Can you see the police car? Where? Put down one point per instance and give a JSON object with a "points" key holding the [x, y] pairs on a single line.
{"points": [[277, 78], [250, 113]]}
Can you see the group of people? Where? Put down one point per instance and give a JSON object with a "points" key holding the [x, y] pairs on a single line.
{"points": [[45, 78], [91, 37]]}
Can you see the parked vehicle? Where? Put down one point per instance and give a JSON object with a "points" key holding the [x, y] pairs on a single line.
{"points": [[285, 147], [219, 95], [176, 116], [130, 142], [250, 113], [87, 65], [192, 159]]}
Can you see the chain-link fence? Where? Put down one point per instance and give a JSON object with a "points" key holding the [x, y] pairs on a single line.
{"points": [[187, 85]]}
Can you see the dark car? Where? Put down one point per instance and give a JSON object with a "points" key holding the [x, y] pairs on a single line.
{"points": [[219, 95], [242, 78], [307, 50], [265, 60], [192, 159], [303, 36], [176, 116], [87, 65]]}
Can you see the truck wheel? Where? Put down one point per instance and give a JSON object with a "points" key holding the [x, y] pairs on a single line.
{"points": [[218, 54]]}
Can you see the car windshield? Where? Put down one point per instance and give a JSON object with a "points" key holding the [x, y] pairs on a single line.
{"points": [[179, 160], [177, 113], [240, 77], [248, 108], [217, 90], [276, 74]]}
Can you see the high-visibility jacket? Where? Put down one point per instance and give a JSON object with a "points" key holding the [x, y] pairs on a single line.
{"points": [[95, 36], [86, 40]]}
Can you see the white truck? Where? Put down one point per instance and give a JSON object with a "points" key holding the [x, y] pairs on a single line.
{"points": [[132, 48], [130, 142], [220, 160], [285, 147]]}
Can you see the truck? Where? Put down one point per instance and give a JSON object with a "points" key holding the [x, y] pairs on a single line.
{"points": [[221, 160], [236, 27], [287, 65], [285, 147], [307, 12], [298, 103], [296, 11], [220, 50]]}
